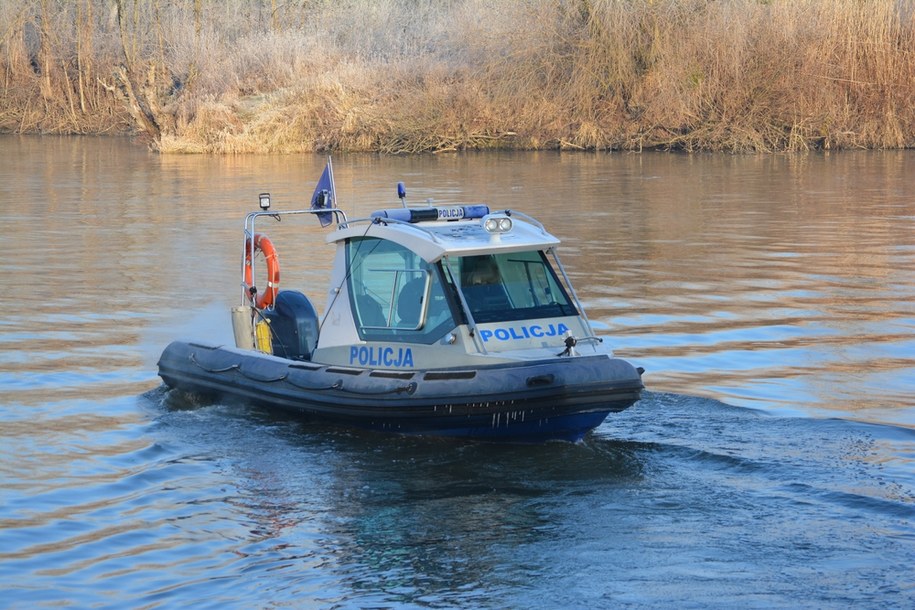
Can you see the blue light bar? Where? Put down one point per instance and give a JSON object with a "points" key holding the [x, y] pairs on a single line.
{"points": [[476, 211], [414, 215]]}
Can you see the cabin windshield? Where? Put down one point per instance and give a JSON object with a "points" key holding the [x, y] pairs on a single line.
{"points": [[512, 286], [395, 294]]}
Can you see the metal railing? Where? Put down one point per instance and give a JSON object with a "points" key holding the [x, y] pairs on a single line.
{"points": [[248, 245]]}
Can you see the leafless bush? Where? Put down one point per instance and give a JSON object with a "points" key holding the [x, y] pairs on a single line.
{"points": [[424, 75]]}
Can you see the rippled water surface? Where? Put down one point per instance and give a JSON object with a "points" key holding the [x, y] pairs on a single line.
{"points": [[770, 464]]}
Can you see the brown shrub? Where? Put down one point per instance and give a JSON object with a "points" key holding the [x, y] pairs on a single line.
{"points": [[406, 76]]}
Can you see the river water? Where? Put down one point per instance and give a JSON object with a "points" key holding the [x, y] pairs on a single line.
{"points": [[771, 463]]}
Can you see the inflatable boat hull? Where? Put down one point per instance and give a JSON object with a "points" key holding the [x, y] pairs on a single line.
{"points": [[559, 398]]}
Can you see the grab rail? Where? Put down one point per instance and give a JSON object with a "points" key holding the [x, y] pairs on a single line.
{"points": [[248, 245]]}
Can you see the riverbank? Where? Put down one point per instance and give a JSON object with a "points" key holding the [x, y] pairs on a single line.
{"points": [[397, 76]]}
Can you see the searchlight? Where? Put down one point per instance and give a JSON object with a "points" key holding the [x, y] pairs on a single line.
{"points": [[496, 223]]}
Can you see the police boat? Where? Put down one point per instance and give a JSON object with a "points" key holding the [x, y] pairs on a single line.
{"points": [[454, 321]]}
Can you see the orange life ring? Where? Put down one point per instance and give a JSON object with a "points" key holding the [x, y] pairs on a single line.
{"points": [[262, 242]]}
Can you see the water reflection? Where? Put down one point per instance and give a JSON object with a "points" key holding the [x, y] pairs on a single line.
{"points": [[345, 517], [780, 283], [772, 281], [385, 517]]}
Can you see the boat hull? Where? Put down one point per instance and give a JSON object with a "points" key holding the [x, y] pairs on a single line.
{"points": [[558, 398]]}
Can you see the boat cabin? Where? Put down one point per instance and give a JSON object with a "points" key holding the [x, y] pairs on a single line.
{"points": [[419, 288]]}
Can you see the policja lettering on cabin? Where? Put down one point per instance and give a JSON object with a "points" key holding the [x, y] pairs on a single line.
{"points": [[533, 331]]}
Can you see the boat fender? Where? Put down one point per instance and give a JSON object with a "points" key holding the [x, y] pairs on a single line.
{"points": [[540, 380], [224, 369], [337, 385], [410, 388], [263, 378], [268, 296]]}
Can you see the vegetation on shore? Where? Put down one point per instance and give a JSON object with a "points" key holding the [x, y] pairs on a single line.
{"points": [[408, 76]]}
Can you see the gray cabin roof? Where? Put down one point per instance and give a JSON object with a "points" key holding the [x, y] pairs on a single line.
{"points": [[434, 239]]}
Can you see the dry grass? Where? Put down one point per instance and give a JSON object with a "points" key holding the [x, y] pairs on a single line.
{"points": [[401, 76]]}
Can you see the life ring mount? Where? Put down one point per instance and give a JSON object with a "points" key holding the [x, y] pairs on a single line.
{"points": [[268, 296]]}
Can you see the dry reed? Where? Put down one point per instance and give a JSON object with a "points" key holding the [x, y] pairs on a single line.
{"points": [[409, 76]]}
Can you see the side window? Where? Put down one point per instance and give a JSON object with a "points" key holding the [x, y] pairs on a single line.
{"points": [[395, 294]]}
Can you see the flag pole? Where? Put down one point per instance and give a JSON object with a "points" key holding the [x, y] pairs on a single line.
{"points": [[333, 189], [325, 196]]}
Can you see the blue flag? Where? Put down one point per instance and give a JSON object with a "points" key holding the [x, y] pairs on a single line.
{"points": [[324, 196]]}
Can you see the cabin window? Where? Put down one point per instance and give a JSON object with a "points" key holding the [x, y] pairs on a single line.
{"points": [[395, 294], [512, 286]]}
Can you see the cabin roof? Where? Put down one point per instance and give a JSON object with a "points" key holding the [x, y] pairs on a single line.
{"points": [[434, 239]]}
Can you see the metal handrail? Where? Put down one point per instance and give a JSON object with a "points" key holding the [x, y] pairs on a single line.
{"points": [[251, 217], [571, 289], [529, 218], [249, 231], [378, 220]]}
